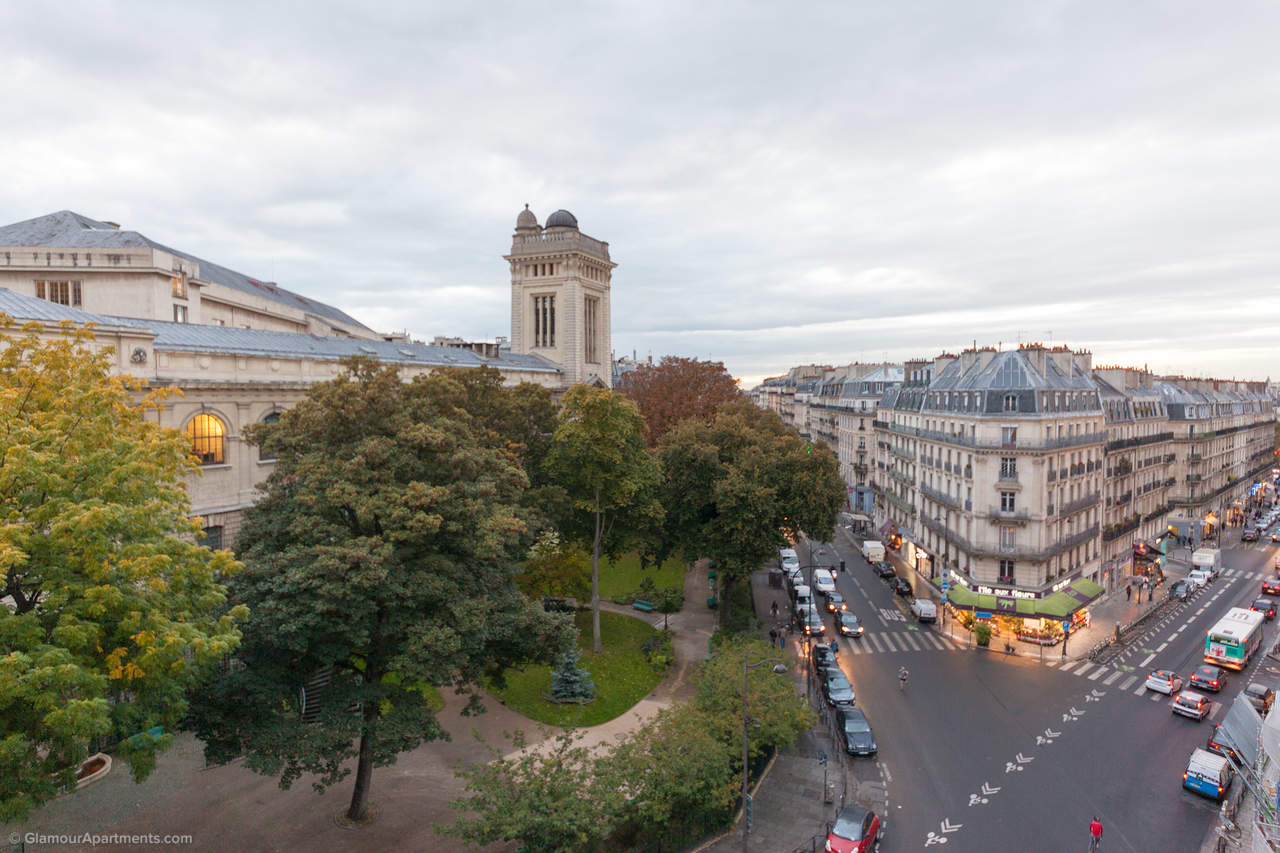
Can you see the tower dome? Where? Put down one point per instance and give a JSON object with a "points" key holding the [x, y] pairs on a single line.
{"points": [[562, 219], [526, 219]]}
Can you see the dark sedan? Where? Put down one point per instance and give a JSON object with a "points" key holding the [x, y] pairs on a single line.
{"points": [[1266, 607], [1208, 678], [837, 689], [884, 570], [901, 587], [848, 624], [856, 731], [823, 657], [1271, 587]]}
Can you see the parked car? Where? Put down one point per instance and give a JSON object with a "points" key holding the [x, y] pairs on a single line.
{"points": [[823, 581], [1164, 681], [1208, 677], [1271, 587], [1250, 534], [1200, 576], [884, 570], [823, 658], [1275, 535], [1260, 697], [1265, 606], [1181, 590], [837, 689], [835, 602], [1216, 745], [901, 587], [848, 624], [1189, 703], [856, 732], [924, 610], [856, 830]]}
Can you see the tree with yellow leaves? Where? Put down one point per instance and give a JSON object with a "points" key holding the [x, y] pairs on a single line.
{"points": [[110, 609]]}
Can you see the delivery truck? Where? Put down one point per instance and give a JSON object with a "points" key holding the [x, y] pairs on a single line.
{"points": [[873, 550]]}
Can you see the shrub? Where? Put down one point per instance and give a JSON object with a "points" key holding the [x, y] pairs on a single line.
{"points": [[658, 650], [983, 633]]}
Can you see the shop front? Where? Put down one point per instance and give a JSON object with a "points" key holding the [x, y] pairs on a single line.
{"points": [[1034, 617]]}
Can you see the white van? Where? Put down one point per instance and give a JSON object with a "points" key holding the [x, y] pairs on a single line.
{"points": [[1207, 774], [788, 558], [924, 610], [873, 550], [803, 598]]}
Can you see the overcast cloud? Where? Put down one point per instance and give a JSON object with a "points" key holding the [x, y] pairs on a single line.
{"points": [[779, 183]]}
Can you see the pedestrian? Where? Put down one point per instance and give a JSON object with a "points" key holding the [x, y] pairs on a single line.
{"points": [[773, 637], [1128, 592], [774, 609], [1150, 593]]}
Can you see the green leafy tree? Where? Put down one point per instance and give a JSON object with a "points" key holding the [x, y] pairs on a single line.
{"points": [[112, 610], [674, 769], [551, 798], [555, 567], [778, 713], [598, 456], [739, 487], [380, 559]]}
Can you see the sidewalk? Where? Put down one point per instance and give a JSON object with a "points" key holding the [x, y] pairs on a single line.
{"points": [[789, 812]]}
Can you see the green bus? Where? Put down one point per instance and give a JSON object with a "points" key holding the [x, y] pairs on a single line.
{"points": [[1234, 639]]}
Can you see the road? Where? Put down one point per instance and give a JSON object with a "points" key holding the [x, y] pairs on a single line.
{"points": [[985, 751]]}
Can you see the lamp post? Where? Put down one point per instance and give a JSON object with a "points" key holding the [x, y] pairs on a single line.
{"points": [[779, 667]]}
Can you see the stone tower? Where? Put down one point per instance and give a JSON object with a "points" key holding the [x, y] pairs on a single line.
{"points": [[560, 296]]}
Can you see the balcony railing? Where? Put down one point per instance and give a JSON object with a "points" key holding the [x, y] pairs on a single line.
{"points": [[940, 497], [905, 454], [997, 444], [1053, 475], [1008, 476], [1112, 531], [1081, 503], [1121, 444], [1021, 516]]}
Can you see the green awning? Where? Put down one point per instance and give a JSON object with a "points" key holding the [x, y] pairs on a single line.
{"points": [[1061, 604]]}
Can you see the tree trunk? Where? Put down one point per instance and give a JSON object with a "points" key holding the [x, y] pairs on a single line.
{"points": [[595, 582], [364, 767]]}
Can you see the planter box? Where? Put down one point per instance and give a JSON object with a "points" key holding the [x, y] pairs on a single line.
{"points": [[92, 769]]}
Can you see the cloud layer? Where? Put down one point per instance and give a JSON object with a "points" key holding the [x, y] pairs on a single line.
{"points": [[779, 184]]}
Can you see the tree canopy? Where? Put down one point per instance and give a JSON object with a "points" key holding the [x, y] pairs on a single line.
{"points": [[676, 389], [379, 560], [739, 487], [110, 609], [598, 457]]}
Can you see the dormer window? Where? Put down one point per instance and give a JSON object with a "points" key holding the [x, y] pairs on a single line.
{"points": [[1011, 402]]}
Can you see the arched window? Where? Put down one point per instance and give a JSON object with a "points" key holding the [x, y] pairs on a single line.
{"points": [[207, 435], [265, 455], [1011, 402]]}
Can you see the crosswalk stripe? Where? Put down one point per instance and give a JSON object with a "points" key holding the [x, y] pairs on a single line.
{"points": [[888, 641], [1084, 667], [1069, 665], [877, 641], [937, 643], [1053, 662], [1113, 676], [909, 640], [1101, 670], [1124, 685]]}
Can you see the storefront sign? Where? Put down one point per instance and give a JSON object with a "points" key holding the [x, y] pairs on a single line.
{"points": [[983, 589]]}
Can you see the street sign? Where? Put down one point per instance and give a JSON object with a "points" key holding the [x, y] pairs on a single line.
{"points": [[982, 614], [1066, 624]]}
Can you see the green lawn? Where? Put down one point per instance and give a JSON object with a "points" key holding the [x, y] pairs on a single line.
{"points": [[621, 674], [624, 576]]}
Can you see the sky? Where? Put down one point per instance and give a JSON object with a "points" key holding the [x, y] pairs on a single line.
{"points": [[780, 184]]}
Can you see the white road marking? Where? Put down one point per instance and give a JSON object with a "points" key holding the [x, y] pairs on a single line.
{"points": [[1150, 657], [1124, 685], [1100, 671]]}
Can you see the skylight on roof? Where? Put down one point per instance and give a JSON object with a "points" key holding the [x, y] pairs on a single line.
{"points": [[369, 350], [407, 352]]}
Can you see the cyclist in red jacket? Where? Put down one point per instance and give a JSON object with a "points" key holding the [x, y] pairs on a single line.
{"points": [[1095, 834]]}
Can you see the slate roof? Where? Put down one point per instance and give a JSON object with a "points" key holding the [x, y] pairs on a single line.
{"points": [[1011, 370], [187, 337], [70, 230]]}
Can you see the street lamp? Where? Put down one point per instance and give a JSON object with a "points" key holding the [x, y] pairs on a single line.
{"points": [[779, 668]]}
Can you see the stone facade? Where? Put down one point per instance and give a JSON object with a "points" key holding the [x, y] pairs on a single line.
{"points": [[560, 281], [238, 356]]}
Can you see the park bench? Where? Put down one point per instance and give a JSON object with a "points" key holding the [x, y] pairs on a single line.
{"points": [[641, 604]]}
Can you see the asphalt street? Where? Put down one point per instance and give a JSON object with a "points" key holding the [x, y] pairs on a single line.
{"points": [[985, 751]]}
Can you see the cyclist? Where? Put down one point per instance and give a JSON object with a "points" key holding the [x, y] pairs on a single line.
{"points": [[902, 678], [1095, 834]]}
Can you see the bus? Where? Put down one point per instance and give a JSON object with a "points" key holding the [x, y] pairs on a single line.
{"points": [[1232, 642]]}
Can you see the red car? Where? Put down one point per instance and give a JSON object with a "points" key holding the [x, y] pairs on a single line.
{"points": [[856, 830], [1266, 607], [1271, 587]]}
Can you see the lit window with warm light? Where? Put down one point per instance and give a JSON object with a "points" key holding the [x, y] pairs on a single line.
{"points": [[207, 434]]}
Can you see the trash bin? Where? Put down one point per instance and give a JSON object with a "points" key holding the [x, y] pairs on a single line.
{"points": [[775, 578]]}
